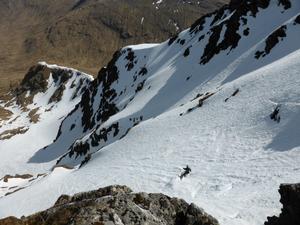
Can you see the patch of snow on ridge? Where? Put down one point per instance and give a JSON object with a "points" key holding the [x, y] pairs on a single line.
{"points": [[54, 66]]}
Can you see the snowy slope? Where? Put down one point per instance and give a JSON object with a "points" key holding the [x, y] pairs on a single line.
{"points": [[202, 98]]}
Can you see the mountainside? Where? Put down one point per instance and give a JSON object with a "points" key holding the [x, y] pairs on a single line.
{"points": [[84, 34], [221, 97], [142, 82]]}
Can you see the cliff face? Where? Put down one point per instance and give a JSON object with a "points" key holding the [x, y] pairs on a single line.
{"points": [[290, 199], [117, 205]]}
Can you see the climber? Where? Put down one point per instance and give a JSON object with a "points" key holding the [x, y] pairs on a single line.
{"points": [[185, 172], [275, 114]]}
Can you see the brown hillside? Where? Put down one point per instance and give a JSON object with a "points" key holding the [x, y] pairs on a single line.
{"points": [[84, 33]]}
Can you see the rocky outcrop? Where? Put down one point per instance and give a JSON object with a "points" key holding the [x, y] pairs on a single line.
{"points": [[231, 38], [297, 20], [290, 199], [272, 41], [117, 205], [4, 114], [239, 10], [37, 80], [23, 176], [9, 184]]}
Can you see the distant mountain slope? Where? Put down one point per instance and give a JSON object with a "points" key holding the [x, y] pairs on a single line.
{"points": [[84, 34], [221, 97]]}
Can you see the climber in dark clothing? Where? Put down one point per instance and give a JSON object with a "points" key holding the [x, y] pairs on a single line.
{"points": [[185, 172], [275, 114]]}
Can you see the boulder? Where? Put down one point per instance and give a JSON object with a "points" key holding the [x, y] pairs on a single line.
{"points": [[290, 199]]}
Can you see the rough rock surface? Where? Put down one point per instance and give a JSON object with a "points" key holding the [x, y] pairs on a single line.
{"points": [[290, 199], [117, 205]]}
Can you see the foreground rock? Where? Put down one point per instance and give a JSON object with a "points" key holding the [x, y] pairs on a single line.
{"points": [[117, 205], [290, 199]]}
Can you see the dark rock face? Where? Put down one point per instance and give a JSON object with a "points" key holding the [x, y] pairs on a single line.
{"points": [[106, 76], [130, 57], [286, 3], [290, 199], [186, 52], [57, 95], [35, 80], [172, 39], [231, 36], [297, 20], [234, 3], [272, 41], [116, 205]]}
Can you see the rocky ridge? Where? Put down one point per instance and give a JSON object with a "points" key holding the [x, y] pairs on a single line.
{"points": [[117, 205], [42, 90]]}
